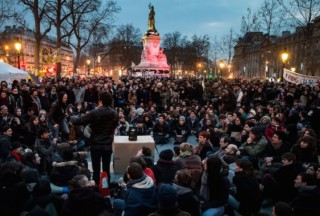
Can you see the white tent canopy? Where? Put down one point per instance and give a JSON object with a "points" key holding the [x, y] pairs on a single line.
{"points": [[9, 73]]}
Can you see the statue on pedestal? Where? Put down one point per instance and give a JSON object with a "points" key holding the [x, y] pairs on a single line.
{"points": [[151, 19]]}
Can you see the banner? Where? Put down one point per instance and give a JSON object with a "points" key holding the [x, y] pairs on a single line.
{"points": [[297, 78]]}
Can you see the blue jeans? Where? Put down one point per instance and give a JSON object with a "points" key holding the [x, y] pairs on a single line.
{"points": [[63, 127], [214, 211], [119, 205], [233, 203]]}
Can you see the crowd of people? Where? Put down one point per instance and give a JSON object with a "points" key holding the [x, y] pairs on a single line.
{"points": [[256, 143]]}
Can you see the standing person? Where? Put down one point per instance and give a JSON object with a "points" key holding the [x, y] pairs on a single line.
{"points": [[103, 122], [57, 116]]}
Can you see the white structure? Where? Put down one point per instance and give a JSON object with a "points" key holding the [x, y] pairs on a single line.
{"points": [[9, 73]]}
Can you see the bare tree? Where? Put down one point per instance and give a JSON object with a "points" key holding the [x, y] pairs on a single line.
{"points": [[7, 12], [250, 22], [302, 13], [42, 26], [225, 46], [271, 17], [88, 19], [173, 45], [125, 47]]}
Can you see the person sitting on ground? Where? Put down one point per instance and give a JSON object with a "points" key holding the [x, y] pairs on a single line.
{"points": [[306, 150], [224, 142], [146, 153], [181, 131], [141, 128], [279, 185], [43, 198], [308, 198], [165, 169], [214, 189], [161, 131], [188, 160], [246, 199], [140, 194], [282, 209], [16, 152], [204, 147], [84, 198], [187, 200], [254, 147], [273, 153], [167, 202]]}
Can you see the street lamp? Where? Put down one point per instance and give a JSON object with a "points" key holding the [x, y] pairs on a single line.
{"points": [[221, 66], [284, 57], [199, 68], [88, 63], [18, 48]]}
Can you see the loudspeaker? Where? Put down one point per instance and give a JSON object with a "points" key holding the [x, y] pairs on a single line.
{"points": [[132, 134]]}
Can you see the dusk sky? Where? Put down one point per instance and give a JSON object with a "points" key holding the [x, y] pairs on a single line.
{"points": [[189, 17]]}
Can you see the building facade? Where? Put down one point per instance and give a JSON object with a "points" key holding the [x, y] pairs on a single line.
{"points": [[258, 55], [49, 55]]}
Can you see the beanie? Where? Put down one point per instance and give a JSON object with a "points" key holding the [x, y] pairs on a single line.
{"points": [[166, 155], [256, 131], [167, 196]]}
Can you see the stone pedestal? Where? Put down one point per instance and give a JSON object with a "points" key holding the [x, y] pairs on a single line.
{"points": [[152, 57]]}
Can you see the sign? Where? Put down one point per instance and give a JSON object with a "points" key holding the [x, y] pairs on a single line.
{"points": [[297, 78]]}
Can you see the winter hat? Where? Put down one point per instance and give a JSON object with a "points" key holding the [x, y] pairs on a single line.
{"points": [[266, 117], [256, 131], [166, 155], [253, 112], [167, 196], [182, 118], [140, 111]]}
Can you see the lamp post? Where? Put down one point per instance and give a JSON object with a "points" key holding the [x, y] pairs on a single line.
{"points": [[221, 66], [18, 48], [284, 57], [88, 64], [199, 68]]}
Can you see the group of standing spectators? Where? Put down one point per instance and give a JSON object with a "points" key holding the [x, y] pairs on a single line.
{"points": [[256, 141]]}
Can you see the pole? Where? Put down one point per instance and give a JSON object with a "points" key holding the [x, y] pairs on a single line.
{"points": [[18, 60], [281, 78]]}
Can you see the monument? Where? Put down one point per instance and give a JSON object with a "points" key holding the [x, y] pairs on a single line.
{"points": [[153, 60]]}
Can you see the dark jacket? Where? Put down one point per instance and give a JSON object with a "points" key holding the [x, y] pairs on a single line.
{"points": [[307, 155], [276, 153], [247, 193], [5, 144], [164, 171], [104, 121], [307, 201], [285, 177], [140, 197], [84, 201], [63, 172], [57, 113], [187, 200]]}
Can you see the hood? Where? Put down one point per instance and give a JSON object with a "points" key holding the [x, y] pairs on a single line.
{"points": [[181, 190]]}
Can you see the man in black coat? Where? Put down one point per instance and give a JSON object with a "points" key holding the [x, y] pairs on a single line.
{"points": [[104, 121]]}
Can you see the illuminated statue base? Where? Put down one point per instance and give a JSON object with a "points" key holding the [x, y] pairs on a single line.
{"points": [[153, 60]]}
